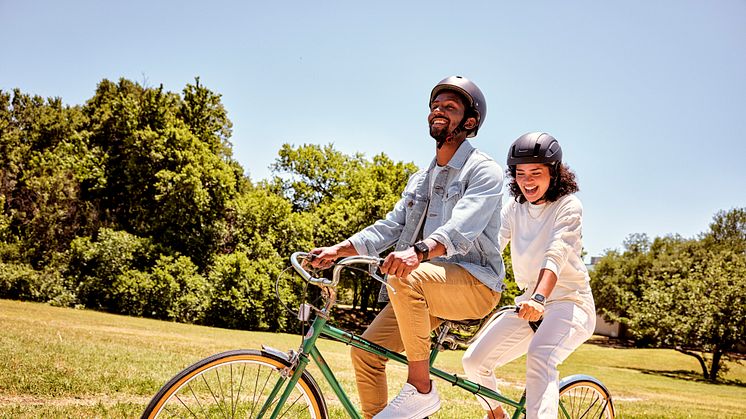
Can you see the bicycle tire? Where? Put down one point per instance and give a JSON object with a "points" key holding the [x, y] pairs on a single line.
{"points": [[207, 389], [582, 396]]}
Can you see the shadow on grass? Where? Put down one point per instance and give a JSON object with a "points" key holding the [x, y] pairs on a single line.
{"points": [[610, 342], [688, 376]]}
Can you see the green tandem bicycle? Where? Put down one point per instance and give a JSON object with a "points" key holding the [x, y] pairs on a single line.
{"points": [[270, 383]]}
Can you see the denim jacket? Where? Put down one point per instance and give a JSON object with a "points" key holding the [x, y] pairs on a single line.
{"points": [[463, 214]]}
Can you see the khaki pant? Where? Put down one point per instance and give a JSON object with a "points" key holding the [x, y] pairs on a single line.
{"points": [[432, 292]]}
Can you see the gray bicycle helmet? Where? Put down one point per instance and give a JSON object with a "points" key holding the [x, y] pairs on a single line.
{"points": [[470, 91], [534, 147]]}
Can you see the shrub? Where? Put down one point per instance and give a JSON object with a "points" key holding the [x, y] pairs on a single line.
{"points": [[179, 292], [170, 290], [95, 266], [244, 294], [21, 281]]}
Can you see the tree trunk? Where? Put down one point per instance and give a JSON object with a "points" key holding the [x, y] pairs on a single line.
{"points": [[715, 367], [355, 293], [365, 294], [701, 360]]}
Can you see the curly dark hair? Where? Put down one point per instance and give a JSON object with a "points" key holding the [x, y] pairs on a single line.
{"points": [[563, 183]]}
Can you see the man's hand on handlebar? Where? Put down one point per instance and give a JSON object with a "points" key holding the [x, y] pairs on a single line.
{"points": [[324, 257], [400, 264]]}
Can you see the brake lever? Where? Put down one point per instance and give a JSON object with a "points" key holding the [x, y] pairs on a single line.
{"points": [[372, 269]]}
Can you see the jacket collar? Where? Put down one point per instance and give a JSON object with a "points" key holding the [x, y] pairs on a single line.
{"points": [[459, 158]]}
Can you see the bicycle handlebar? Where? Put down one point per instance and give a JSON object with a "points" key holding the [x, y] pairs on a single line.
{"points": [[372, 262]]}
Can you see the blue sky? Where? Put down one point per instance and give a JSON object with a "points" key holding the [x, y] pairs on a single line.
{"points": [[648, 99]]}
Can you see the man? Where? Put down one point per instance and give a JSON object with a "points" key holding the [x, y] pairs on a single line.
{"points": [[446, 263]]}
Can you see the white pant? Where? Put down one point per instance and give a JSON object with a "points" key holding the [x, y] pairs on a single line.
{"points": [[566, 325]]}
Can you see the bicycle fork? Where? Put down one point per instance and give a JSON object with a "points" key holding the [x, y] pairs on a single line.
{"points": [[298, 363]]}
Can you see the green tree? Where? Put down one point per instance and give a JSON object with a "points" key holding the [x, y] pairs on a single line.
{"points": [[618, 279], [310, 174], [44, 160], [95, 265], [343, 193], [695, 304], [4, 222], [121, 273], [168, 169], [511, 291], [244, 293], [264, 225], [686, 294], [728, 230]]}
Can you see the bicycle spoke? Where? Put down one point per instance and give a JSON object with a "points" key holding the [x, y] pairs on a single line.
{"points": [[240, 386], [291, 406], [212, 393], [221, 402], [171, 414], [184, 404], [233, 402], [196, 399], [585, 400], [255, 401]]}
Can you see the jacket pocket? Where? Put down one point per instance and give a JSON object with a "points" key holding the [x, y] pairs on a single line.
{"points": [[454, 192]]}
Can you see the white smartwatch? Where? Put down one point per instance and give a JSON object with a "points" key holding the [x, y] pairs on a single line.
{"points": [[539, 298]]}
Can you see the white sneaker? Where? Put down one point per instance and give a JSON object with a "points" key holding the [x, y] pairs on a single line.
{"points": [[411, 404]]}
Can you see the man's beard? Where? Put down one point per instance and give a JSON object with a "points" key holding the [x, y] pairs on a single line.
{"points": [[440, 134]]}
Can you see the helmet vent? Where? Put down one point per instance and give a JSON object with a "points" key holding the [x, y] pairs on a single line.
{"points": [[537, 148]]}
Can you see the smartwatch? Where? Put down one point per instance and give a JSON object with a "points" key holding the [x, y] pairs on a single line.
{"points": [[539, 298], [423, 249]]}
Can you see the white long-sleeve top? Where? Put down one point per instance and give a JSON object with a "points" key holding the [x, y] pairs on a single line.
{"points": [[547, 236]]}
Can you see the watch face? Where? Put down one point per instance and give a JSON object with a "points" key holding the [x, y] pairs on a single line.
{"points": [[422, 248], [538, 297]]}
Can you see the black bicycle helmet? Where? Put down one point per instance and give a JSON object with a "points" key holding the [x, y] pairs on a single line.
{"points": [[534, 147], [470, 91]]}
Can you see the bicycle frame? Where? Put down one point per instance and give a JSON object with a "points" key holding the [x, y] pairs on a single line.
{"points": [[308, 349], [579, 394], [298, 361]]}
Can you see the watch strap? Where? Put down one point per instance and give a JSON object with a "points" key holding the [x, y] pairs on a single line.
{"points": [[423, 249], [539, 298]]}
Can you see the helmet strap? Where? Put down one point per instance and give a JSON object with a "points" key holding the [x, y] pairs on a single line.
{"points": [[451, 135], [537, 201]]}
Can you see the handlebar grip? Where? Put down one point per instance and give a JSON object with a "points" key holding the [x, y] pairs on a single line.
{"points": [[295, 261], [372, 262]]}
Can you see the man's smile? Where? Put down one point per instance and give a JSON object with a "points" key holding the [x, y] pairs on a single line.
{"points": [[439, 121]]}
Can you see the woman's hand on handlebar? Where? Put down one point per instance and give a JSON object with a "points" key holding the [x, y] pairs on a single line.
{"points": [[531, 310]]}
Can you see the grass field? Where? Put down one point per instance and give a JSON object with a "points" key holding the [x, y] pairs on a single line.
{"points": [[64, 363]]}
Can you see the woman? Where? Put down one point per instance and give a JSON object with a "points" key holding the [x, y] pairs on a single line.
{"points": [[543, 227]]}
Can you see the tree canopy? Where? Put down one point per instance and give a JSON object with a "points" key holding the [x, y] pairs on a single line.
{"points": [[687, 294], [132, 203]]}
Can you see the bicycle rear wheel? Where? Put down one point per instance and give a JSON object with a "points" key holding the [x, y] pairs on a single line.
{"points": [[582, 396], [235, 384]]}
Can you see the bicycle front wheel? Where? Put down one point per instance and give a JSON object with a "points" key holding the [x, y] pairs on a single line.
{"points": [[236, 384], [583, 396]]}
